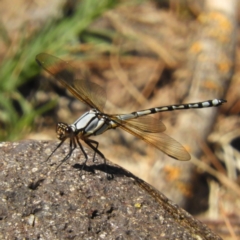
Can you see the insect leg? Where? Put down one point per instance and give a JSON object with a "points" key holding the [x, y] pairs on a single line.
{"points": [[59, 145], [73, 145], [81, 147], [90, 143]]}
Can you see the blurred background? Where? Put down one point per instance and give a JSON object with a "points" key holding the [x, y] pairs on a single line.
{"points": [[145, 54]]}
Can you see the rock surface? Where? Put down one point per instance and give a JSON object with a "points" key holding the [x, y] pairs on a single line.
{"points": [[39, 202]]}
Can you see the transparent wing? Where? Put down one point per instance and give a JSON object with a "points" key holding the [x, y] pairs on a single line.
{"points": [[145, 124], [86, 91], [159, 140]]}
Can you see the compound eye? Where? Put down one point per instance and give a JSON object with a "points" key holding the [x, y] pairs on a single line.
{"points": [[68, 129]]}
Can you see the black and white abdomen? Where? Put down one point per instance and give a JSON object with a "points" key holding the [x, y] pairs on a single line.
{"points": [[91, 123]]}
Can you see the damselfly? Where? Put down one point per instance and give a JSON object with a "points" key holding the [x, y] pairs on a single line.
{"points": [[96, 122]]}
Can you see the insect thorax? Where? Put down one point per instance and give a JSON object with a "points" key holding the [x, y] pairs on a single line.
{"points": [[90, 123]]}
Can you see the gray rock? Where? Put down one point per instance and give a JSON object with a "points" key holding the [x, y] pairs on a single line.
{"points": [[39, 202]]}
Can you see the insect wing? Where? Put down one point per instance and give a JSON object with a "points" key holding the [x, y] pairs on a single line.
{"points": [[145, 124], [86, 91], [93, 94], [160, 141]]}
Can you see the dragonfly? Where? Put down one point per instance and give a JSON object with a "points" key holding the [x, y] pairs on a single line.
{"points": [[96, 121]]}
